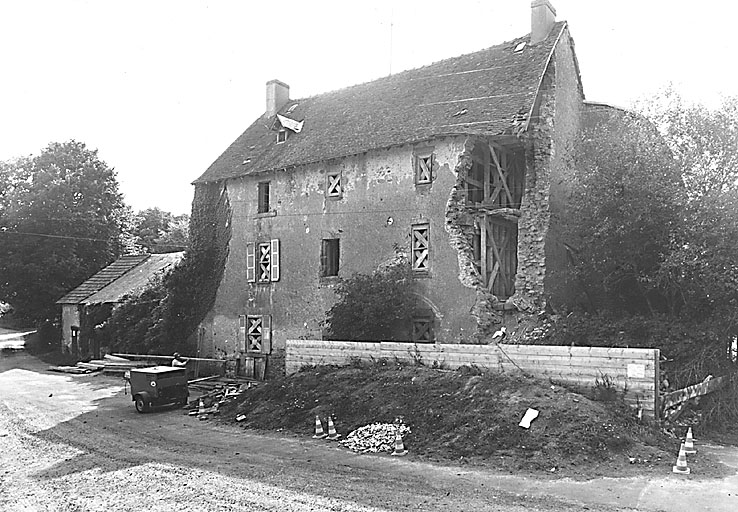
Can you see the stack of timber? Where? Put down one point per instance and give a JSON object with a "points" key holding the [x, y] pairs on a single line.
{"points": [[108, 365], [216, 391]]}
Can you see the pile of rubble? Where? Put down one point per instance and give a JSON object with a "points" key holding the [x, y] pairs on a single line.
{"points": [[216, 391], [375, 438]]}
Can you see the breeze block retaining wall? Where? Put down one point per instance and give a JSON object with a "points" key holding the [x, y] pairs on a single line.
{"points": [[634, 369]]}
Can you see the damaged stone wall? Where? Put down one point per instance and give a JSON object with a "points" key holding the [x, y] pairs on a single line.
{"points": [[460, 226], [541, 280]]}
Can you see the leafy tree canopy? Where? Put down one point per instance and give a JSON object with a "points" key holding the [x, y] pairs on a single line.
{"points": [[62, 219], [158, 231]]}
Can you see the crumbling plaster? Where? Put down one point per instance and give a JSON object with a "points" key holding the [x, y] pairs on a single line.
{"points": [[372, 219], [542, 278]]}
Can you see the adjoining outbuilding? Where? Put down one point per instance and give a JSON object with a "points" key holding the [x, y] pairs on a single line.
{"points": [[127, 276]]}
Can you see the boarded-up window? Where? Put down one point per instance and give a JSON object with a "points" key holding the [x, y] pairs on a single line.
{"points": [[258, 334], [329, 257], [500, 261], [423, 166], [421, 247], [334, 187], [262, 262], [423, 329]]}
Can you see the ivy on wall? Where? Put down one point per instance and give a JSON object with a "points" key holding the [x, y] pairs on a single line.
{"points": [[164, 318]]}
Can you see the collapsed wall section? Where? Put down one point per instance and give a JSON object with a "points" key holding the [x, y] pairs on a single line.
{"points": [[462, 231]]}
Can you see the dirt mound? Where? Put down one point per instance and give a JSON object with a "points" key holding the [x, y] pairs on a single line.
{"points": [[465, 416]]}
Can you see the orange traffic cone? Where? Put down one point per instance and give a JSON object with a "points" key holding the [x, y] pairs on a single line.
{"points": [[319, 434], [689, 442], [332, 435], [399, 447], [201, 414], [681, 465]]}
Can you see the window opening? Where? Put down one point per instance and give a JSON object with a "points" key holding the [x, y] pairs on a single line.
{"points": [[422, 329], [421, 247], [423, 169], [281, 136], [263, 206], [334, 185], [255, 334], [329, 257], [262, 262]]}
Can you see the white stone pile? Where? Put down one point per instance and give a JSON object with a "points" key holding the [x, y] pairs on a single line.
{"points": [[374, 438]]}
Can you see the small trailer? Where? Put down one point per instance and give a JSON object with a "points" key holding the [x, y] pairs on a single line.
{"points": [[158, 385]]}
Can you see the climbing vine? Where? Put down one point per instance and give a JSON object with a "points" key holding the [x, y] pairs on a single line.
{"points": [[165, 317]]}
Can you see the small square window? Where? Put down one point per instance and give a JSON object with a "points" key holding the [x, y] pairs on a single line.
{"points": [[421, 248], [334, 187], [423, 329], [281, 136], [329, 257], [263, 206], [423, 164]]}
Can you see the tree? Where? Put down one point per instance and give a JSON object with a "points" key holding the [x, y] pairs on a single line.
{"points": [[625, 209], [62, 219], [655, 233], [158, 231]]}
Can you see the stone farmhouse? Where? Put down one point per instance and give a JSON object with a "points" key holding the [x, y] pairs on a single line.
{"points": [[461, 166]]}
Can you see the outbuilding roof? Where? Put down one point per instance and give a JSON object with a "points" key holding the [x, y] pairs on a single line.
{"points": [[489, 92], [128, 275]]}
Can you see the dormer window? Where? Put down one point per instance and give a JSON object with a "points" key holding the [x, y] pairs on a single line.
{"points": [[281, 136]]}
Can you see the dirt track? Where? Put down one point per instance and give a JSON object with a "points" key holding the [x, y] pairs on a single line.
{"points": [[76, 443]]}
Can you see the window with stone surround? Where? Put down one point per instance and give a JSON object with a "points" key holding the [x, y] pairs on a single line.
{"points": [[334, 186], [263, 197], [255, 334], [420, 242], [262, 262], [423, 159], [329, 257]]}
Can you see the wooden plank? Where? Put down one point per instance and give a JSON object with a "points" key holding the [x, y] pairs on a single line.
{"points": [[707, 386], [361, 345], [592, 374], [635, 353], [483, 249], [603, 362]]}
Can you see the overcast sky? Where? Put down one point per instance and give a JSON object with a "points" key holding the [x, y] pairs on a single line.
{"points": [[161, 88]]}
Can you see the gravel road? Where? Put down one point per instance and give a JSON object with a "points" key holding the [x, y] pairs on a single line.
{"points": [[76, 443]]}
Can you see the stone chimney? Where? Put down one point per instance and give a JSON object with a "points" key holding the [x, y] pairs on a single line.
{"points": [[542, 19], [278, 94]]}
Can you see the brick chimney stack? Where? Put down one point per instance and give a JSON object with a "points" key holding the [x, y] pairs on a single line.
{"points": [[542, 19], [277, 95]]}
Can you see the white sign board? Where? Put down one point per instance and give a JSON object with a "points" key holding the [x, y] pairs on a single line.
{"points": [[636, 371]]}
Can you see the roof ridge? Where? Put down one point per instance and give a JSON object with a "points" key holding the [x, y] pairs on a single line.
{"points": [[510, 43], [497, 84]]}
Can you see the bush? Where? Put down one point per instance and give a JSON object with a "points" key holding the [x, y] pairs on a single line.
{"points": [[374, 307]]}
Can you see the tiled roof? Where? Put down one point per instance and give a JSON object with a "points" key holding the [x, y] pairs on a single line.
{"points": [[103, 278], [135, 280], [490, 92]]}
